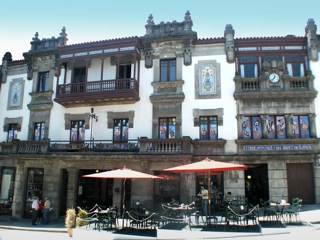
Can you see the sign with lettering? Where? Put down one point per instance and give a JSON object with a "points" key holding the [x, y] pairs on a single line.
{"points": [[277, 147]]}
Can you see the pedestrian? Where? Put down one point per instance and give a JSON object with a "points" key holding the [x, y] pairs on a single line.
{"points": [[40, 209], [34, 208], [204, 194], [46, 210]]}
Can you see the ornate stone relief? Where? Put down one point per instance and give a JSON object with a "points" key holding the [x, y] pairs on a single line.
{"points": [[120, 115]]}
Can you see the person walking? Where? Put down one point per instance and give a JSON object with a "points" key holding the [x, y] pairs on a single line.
{"points": [[40, 209], [46, 210], [35, 209]]}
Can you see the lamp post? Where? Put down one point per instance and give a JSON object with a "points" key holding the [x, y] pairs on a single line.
{"points": [[92, 116]]}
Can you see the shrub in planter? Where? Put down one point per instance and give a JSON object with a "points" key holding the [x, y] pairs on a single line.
{"points": [[70, 221]]}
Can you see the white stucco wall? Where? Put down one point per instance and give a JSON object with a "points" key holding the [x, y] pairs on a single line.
{"points": [[142, 113], [315, 68], [228, 130], [24, 112]]}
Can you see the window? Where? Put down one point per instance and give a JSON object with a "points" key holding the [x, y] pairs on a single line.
{"points": [[167, 128], [12, 132], [120, 130], [39, 130], [79, 75], [295, 66], [124, 71], [251, 127], [42, 85], [77, 132], [300, 126], [7, 186], [167, 70], [209, 128], [34, 186], [248, 66]]}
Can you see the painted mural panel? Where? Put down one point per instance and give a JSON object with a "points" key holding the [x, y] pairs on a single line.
{"points": [[304, 125], [256, 128], [281, 127], [15, 98], [246, 127], [270, 127]]}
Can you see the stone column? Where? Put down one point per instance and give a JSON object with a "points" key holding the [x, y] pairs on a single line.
{"points": [[187, 188], [19, 190], [312, 124], [234, 183], [156, 70], [51, 188], [278, 185], [179, 63], [142, 191], [317, 179], [288, 118], [72, 187]]}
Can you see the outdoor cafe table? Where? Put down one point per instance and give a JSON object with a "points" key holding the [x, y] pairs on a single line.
{"points": [[279, 208], [181, 210]]}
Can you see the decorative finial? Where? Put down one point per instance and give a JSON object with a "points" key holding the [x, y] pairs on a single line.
{"points": [[150, 20], [187, 16], [229, 29], [311, 26], [63, 33], [36, 37]]}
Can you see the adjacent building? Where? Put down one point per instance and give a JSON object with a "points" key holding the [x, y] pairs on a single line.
{"points": [[157, 101]]}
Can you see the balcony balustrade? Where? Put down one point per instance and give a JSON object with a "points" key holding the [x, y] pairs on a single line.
{"points": [[184, 145], [106, 91]]}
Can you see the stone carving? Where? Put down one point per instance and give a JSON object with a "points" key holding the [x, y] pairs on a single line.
{"points": [[15, 98], [188, 21], [207, 77], [187, 56], [7, 58], [8, 121], [311, 34], [207, 112], [229, 43], [148, 58], [170, 29], [120, 115]]}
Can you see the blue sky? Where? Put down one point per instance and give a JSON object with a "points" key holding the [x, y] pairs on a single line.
{"points": [[93, 20]]}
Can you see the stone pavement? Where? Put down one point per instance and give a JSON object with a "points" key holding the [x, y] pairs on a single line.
{"points": [[309, 214]]}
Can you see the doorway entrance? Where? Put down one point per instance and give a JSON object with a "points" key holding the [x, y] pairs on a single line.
{"points": [[93, 191], [256, 183], [300, 182]]}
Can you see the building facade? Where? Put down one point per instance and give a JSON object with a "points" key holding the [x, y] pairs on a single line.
{"points": [[156, 101]]}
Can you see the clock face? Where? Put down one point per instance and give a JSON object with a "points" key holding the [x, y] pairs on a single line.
{"points": [[274, 78]]}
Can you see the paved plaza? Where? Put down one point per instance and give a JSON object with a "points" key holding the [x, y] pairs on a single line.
{"points": [[310, 215]]}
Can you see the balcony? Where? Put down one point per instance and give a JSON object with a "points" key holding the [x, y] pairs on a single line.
{"points": [[288, 87], [117, 91], [24, 147], [143, 145]]}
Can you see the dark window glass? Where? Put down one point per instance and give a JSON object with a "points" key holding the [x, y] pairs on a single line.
{"points": [[256, 128], [77, 131], [272, 58], [295, 126], [167, 128], [34, 186], [167, 70], [39, 130], [249, 70], [42, 85], [248, 59], [124, 71], [7, 187], [246, 127], [120, 130], [79, 75], [304, 126], [12, 132], [281, 127], [208, 128], [271, 127]]}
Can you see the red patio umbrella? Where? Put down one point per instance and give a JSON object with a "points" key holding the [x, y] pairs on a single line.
{"points": [[207, 166], [124, 174]]}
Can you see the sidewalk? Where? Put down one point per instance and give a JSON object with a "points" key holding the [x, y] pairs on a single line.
{"points": [[309, 214]]}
